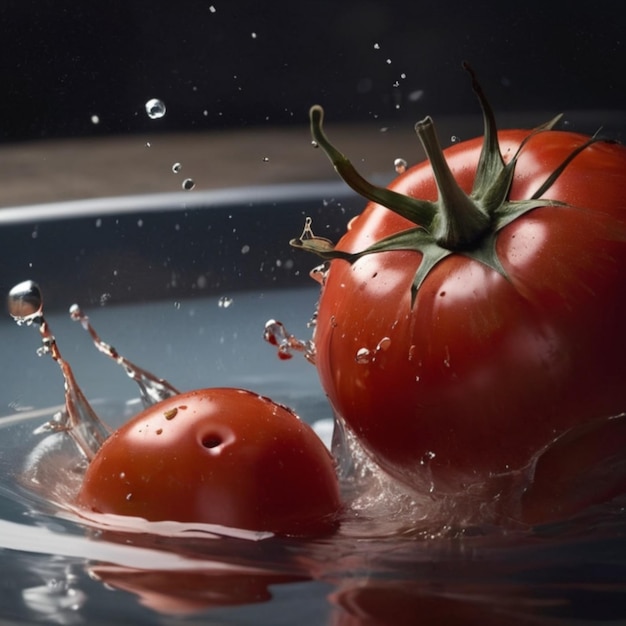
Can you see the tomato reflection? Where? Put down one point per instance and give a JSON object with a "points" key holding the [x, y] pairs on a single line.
{"points": [[189, 592]]}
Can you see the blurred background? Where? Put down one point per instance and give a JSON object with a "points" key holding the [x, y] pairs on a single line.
{"points": [[84, 70], [230, 64]]}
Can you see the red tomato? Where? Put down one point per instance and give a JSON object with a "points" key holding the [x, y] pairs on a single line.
{"points": [[493, 356], [220, 456]]}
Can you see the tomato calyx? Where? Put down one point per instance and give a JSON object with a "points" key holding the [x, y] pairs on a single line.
{"points": [[456, 222]]}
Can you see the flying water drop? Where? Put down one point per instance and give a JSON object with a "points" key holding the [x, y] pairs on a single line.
{"points": [[78, 419], [277, 335], [25, 303], [155, 108], [400, 165]]}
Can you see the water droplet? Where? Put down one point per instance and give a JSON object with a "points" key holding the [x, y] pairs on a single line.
{"points": [[388, 61], [95, 119], [188, 184], [416, 95], [152, 389], [104, 298], [265, 159], [383, 345], [400, 165], [212, 9], [253, 35], [25, 303], [155, 108], [455, 139], [176, 168], [363, 356], [315, 144], [245, 249], [276, 334], [320, 272], [224, 302], [376, 46]]}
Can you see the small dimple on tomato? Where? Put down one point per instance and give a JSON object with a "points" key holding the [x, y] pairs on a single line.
{"points": [[232, 458]]}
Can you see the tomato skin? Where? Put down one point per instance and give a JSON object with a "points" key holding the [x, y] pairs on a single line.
{"points": [[483, 372], [221, 456]]}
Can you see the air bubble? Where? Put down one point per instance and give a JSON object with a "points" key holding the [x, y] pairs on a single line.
{"points": [[155, 108], [176, 168], [188, 184]]}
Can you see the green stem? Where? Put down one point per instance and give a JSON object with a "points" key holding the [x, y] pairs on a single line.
{"points": [[417, 211], [459, 222]]}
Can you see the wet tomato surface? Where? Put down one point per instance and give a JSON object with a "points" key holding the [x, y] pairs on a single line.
{"points": [[472, 315], [221, 456]]}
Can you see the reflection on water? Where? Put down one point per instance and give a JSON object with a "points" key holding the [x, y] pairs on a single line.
{"points": [[378, 569]]}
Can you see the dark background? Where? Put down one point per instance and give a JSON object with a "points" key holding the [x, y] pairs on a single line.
{"points": [[62, 62]]}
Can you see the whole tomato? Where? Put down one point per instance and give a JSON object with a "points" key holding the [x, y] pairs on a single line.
{"points": [[473, 314], [220, 456]]}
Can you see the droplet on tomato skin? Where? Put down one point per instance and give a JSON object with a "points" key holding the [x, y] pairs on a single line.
{"points": [[383, 345], [363, 356]]}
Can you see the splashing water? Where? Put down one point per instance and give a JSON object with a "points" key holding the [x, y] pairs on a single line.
{"points": [[276, 334], [25, 304], [152, 389]]}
